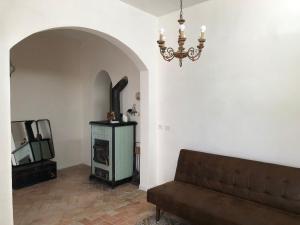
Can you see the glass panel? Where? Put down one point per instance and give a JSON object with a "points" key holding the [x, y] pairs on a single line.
{"points": [[45, 138], [19, 134]]}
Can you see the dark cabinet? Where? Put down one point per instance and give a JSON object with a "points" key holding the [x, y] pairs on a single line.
{"points": [[26, 175]]}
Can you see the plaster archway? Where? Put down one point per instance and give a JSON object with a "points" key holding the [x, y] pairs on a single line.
{"points": [[115, 19], [131, 54], [138, 63]]}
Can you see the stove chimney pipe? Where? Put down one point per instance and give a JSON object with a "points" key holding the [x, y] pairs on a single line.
{"points": [[115, 100]]}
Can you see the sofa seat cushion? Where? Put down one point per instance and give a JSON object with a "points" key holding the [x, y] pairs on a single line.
{"points": [[208, 207]]}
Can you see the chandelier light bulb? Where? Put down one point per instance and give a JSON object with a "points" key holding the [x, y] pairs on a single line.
{"points": [[203, 29], [182, 27], [161, 35]]}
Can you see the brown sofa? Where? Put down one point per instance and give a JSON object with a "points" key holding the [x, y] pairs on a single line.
{"points": [[217, 190]]}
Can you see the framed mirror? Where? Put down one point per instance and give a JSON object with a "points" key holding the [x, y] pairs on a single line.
{"points": [[31, 142]]}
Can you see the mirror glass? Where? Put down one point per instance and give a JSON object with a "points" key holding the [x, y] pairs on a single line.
{"points": [[31, 142], [45, 137]]}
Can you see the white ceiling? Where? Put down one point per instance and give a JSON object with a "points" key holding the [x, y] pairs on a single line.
{"points": [[160, 7]]}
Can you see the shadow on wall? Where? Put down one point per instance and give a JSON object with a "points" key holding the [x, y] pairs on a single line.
{"points": [[101, 95]]}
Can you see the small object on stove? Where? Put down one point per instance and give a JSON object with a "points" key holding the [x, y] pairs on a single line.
{"points": [[125, 118], [111, 116]]}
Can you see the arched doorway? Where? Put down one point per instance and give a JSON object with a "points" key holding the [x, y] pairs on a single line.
{"points": [[61, 65], [111, 18], [143, 93]]}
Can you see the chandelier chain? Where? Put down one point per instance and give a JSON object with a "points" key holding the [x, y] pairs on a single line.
{"points": [[181, 12]]}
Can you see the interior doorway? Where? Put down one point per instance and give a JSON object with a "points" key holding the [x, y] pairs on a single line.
{"points": [[56, 76]]}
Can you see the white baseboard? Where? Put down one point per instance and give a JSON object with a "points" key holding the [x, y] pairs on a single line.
{"points": [[143, 188]]}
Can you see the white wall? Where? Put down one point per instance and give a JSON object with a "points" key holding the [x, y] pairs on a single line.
{"points": [[97, 56], [242, 98], [46, 85], [6, 213]]}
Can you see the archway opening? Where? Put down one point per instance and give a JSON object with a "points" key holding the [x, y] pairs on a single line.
{"points": [[57, 77]]}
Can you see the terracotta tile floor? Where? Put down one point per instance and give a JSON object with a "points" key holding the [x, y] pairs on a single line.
{"points": [[72, 199]]}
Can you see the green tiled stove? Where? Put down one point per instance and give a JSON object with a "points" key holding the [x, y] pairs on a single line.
{"points": [[112, 151]]}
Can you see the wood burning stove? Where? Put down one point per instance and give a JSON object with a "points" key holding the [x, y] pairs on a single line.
{"points": [[112, 151], [113, 144]]}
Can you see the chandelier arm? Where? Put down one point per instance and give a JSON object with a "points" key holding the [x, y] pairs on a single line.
{"points": [[167, 54], [194, 54]]}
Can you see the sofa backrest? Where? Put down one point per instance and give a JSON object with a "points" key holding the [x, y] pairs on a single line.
{"points": [[273, 185]]}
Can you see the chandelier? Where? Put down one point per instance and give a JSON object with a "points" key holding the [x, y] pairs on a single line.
{"points": [[169, 53]]}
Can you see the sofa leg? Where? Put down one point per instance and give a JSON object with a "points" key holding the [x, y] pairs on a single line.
{"points": [[157, 214]]}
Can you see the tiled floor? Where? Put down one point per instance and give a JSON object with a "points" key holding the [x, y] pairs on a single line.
{"points": [[72, 199]]}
